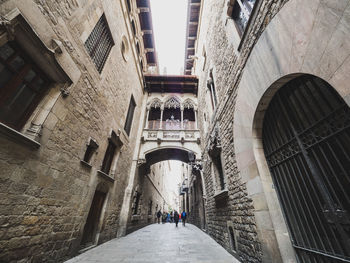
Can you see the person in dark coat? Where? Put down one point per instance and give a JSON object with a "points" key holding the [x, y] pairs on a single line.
{"points": [[176, 217], [159, 214]]}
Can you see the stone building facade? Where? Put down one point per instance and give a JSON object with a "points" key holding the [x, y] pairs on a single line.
{"points": [[65, 161], [243, 56], [77, 147], [149, 196]]}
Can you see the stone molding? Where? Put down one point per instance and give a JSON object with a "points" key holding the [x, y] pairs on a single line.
{"points": [[214, 146]]}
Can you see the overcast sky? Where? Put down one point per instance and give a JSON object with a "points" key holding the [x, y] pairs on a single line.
{"points": [[169, 24]]}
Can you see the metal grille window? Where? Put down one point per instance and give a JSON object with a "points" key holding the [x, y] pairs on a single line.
{"points": [[130, 115], [100, 43], [306, 138], [241, 12], [136, 208], [22, 86]]}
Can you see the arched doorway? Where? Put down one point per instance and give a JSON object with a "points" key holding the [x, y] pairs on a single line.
{"points": [[306, 140]]}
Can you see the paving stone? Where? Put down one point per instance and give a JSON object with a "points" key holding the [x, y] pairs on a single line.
{"points": [[160, 243]]}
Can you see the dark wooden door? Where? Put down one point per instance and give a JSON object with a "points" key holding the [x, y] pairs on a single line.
{"points": [[93, 219]]}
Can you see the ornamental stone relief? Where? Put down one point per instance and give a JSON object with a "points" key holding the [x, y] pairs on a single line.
{"points": [[171, 135], [156, 103], [188, 104], [152, 135], [172, 103], [189, 135]]}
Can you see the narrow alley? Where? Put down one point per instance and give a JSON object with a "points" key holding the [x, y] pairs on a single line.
{"points": [[160, 243], [233, 114]]}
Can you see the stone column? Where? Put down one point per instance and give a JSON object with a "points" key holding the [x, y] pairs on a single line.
{"points": [[182, 117], [161, 117], [147, 116], [196, 118]]}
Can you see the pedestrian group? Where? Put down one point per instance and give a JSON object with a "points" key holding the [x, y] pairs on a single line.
{"points": [[172, 217]]}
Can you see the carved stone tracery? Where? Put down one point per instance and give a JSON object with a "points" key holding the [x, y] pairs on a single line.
{"points": [[188, 104], [156, 103], [173, 102]]}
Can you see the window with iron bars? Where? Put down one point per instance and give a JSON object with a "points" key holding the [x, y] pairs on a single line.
{"points": [[100, 43], [241, 12]]}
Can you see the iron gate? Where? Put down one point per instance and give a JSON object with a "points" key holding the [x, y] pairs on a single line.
{"points": [[306, 138]]}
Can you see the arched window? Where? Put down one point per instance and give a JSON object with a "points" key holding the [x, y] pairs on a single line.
{"points": [[154, 114], [306, 139], [133, 27], [138, 48], [189, 118], [172, 114]]}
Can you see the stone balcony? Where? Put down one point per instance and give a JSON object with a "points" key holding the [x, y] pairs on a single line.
{"points": [[154, 139]]}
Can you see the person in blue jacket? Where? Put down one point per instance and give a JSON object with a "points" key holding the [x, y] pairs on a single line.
{"points": [[183, 217]]}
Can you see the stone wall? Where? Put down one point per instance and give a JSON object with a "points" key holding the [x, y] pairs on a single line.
{"points": [[46, 193], [226, 56], [152, 188]]}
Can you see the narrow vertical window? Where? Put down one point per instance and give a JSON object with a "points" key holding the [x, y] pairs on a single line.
{"points": [[130, 115], [100, 43], [219, 173], [241, 12], [232, 239], [90, 149], [108, 159], [150, 207], [22, 86], [133, 27], [128, 5], [211, 87], [137, 198]]}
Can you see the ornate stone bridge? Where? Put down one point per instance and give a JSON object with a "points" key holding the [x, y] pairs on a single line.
{"points": [[170, 131]]}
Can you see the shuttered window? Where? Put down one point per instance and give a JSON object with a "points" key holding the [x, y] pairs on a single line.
{"points": [[100, 43], [22, 86]]}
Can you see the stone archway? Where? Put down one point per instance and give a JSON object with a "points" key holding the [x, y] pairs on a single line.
{"points": [[166, 153], [304, 44]]}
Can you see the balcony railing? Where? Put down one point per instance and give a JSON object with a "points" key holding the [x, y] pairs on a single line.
{"points": [[171, 125]]}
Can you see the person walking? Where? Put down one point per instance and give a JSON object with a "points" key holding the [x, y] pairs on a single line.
{"points": [[183, 217], [176, 217], [164, 217], [171, 216], [159, 214], [168, 218]]}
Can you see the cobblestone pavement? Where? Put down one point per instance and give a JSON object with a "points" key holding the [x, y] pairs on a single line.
{"points": [[159, 243]]}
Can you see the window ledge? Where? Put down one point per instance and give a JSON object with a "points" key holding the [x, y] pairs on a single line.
{"points": [[18, 137], [86, 164], [105, 176], [222, 195]]}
